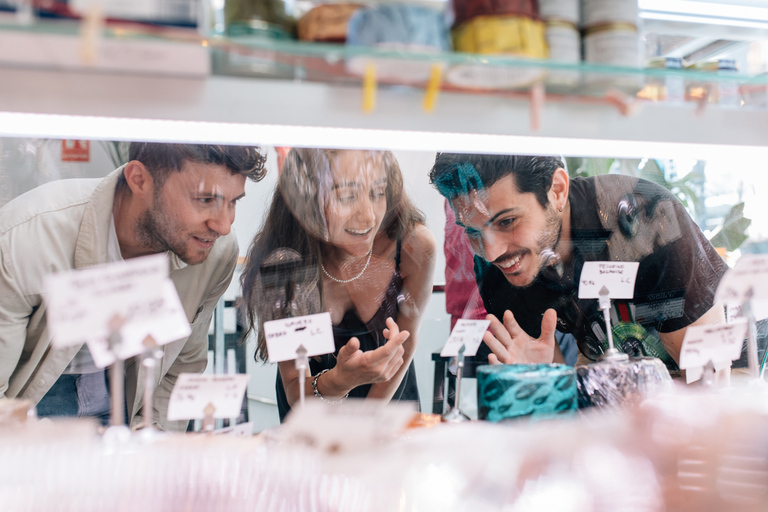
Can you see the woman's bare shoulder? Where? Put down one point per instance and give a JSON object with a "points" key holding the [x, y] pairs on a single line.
{"points": [[418, 249]]}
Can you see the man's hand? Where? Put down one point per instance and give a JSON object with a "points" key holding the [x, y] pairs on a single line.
{"points": [[511, 345], [356, 367]]}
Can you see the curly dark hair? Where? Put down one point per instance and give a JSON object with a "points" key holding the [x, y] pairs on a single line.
{"points": [[454, 174], [162, 159]]}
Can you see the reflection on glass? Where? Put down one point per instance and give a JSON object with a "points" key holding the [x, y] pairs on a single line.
{"points": [[363, 245]]}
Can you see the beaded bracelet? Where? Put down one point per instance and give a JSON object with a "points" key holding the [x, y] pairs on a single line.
{"points": [[320, 396]]}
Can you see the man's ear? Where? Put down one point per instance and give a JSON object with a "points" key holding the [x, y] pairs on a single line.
{"points": [[138, 179], [558, 192]]}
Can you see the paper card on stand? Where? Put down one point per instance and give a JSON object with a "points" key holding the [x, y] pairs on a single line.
{"points": [[748, 276], [759, 310], [241, 430], [284, 336], [468, 333], [163, 319], [193, 392], [348, 427], [719, 344], [82, 303], [617, 276]]}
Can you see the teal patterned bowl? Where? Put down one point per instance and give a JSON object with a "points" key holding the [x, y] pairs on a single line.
{"points": [[537, 391]]}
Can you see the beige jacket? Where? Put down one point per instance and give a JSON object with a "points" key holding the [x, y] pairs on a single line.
{"points": [[65, 225]]}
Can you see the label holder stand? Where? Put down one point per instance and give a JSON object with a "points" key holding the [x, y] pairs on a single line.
{"points": [[117, 430], [455, 415], [612, 354], [302, 363], [747, 311], [150, 358]]}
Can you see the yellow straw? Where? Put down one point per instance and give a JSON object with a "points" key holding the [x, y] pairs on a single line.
{"points": [[369, 88], [433, 87]]}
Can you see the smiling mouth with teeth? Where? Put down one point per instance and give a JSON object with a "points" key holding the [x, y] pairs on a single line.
{"points": [[359, 231], [509, 263]]}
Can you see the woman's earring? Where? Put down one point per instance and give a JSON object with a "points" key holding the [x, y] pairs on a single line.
{"points": [[561, 208]]}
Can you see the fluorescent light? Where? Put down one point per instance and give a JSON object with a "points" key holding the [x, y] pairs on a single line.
{"points": [[693, 19], [13, 124], [721, 11]]}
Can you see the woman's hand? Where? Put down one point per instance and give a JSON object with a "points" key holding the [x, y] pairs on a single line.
{"points": [[355, 367], [510, 344]]}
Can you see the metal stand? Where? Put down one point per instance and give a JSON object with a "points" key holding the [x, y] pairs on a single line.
{"points": [[302, 363], [455, 415], [209, 423], [149, 363], [611, 354], [117, 431], [708, 375], [746, 308]]}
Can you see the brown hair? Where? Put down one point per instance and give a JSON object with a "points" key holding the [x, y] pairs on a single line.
{"points": [[162, 159], [307, 180]]}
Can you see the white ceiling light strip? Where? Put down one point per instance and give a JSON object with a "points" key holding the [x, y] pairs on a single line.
{"points": [[711, 9], [14, 124], [704, 12]]}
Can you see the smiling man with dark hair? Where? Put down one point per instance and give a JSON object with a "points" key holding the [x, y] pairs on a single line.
{"points": [[532, 229], [173, 198]]}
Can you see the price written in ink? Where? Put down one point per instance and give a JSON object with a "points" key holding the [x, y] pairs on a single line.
{"points": [[193, 392], [719, 344], [284, 336], [747, 280], [468, 333], [81, 304], [617, 276]]}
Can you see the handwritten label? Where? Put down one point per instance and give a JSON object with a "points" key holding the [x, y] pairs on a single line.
{"points": [[719, 343], [617, 276], [81, 304], [194, 392], [241, 430], [749, 275], [284, 336], [468, 333], [349, 427]]}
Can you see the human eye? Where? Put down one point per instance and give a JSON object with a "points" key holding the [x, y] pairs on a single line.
{"points": [[346, 197], [472, 233], [206, 200], [506, 222], [379, 193]]}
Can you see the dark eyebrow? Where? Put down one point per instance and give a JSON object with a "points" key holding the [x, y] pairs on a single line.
{"points": [[346, 184], [214, 195], [502, 212], [380, 180]]}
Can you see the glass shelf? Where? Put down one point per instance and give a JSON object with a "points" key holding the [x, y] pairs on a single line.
{"points": [[258, 57], [482, 74]]}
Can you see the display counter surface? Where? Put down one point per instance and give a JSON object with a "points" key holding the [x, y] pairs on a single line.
{"points": [[690, 451]]}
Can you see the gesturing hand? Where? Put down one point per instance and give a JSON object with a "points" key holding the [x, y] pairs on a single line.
{"points": [[356, 367], [510, 344]]}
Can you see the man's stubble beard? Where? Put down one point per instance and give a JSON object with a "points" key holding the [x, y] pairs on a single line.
{"points": [[547, 241], [153, 230]]}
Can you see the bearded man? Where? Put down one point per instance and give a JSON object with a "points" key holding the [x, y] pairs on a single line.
{"points": [[532, 228], [173, 198]]}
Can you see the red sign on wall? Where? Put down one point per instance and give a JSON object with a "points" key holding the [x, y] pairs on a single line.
{"points": [[75, 151]]}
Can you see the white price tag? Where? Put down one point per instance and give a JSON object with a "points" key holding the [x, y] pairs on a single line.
{"points": [[749, 273], [349, 427], [241, 430], [81, 304], [617, 276], [284, 336], [719, 343], [193, 392], [468, 333]]}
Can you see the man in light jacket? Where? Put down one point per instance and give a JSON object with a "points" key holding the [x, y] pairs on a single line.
{"points": [[173, 198]]}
